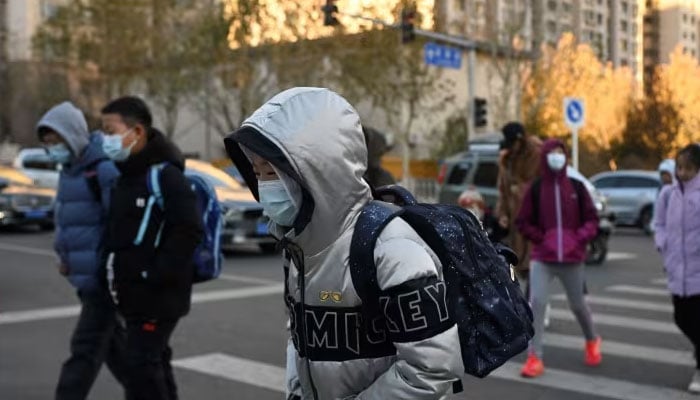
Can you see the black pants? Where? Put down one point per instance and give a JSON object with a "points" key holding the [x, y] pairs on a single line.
{"points": [[686, 312], [148, 355], [98, 337]]}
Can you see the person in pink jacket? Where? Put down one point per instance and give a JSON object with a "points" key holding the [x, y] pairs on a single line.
{"points": [[677, 229], [559, 218]]}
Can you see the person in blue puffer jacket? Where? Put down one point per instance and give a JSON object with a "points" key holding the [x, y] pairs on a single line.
{"points": [[82, 202]]}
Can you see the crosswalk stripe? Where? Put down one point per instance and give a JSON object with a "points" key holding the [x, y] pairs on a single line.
{"points": [[272, 377], [14, 317], [630, 351], [659, 281], [27, 250], [619, 321], [624, 303], [638, 290], [618, 255], [592, 385], [251, 372]]}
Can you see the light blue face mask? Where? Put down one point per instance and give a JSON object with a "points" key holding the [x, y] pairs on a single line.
{"points": [[59, 153], [113, 147], [276, 202]]}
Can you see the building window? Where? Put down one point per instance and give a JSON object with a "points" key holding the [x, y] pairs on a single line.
{"points": [[600, 19], [624, 45], [623, 26], [461, 5], [624, 7], [551, 27], [624, 62], [685, 17], [567, 7], [552, 5], [692, 37], [685, 35]]}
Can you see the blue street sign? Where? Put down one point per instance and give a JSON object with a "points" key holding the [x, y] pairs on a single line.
{"points": [[442, 56], [574, 112]]}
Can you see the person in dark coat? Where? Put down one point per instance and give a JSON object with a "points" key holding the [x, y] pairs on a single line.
{"points": [[151, 282]]}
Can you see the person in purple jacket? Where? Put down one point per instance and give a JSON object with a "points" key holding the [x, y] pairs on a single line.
{"points": [[677, 229], [559, 226]]}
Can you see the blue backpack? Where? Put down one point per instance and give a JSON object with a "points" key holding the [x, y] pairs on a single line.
{"points": [[483, 297], [207, 257]]}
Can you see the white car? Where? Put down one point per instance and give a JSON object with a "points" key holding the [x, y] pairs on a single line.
{"points": [[36, 164]]}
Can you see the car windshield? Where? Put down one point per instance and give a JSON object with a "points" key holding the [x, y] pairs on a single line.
{"points": [[15, 176], [213, 175]]}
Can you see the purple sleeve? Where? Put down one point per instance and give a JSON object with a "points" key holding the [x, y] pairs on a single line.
{"points": [[589, 219], [660, 217]]}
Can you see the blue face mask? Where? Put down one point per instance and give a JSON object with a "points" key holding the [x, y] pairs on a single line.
{"points": [[113, 147], [59, 153], [276, 202]]}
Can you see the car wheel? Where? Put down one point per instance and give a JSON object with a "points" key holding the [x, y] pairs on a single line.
{"points": [[645, 219], [268, 248], [597, 250]]}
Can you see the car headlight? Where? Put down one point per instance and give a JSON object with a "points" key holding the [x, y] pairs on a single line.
{"points": [[599, 206]]}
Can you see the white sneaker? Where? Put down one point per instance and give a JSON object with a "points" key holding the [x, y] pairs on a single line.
{"points": [[546, 315], [694, 386]]}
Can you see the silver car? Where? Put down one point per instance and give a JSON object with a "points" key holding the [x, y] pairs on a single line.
{"points": [[244, 222], [631, 195]]}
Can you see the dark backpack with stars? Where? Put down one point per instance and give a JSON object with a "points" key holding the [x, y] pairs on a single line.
{"points": [[483, 296]]}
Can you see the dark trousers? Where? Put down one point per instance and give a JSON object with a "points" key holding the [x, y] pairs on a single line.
{"points": [[686, 312], [148, 355], [98, 337]]}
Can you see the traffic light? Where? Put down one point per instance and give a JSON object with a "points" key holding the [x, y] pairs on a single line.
{"points": [[329, 11], [480, 112], [408, 33]]}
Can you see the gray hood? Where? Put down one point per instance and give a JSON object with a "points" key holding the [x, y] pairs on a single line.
{"points": [[68, 121], [314, 136]]}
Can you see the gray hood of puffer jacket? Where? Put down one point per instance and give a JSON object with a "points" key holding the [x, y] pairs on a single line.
{"points": [[69, 122], [314, 137]]}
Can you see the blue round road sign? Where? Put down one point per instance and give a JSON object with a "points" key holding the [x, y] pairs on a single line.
{"points": [[574, 111]]}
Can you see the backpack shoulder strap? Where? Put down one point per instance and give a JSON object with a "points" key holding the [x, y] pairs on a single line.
{"points": [[153, 183], [579, 188], [156, 198], [535, 188], [372, 220], [93, 179]]}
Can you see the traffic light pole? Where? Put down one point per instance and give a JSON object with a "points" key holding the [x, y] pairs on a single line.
{"points": [[465, 44]]}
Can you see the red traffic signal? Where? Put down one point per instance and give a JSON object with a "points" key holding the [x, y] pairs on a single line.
{"points": [[329, 11]]}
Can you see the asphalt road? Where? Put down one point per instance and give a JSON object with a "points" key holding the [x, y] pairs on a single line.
{"points": [[232, 344]]}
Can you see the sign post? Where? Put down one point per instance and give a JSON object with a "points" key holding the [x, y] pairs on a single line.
{"points": [[574, 117]]}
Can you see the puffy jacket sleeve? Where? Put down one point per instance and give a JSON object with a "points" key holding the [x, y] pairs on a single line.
{"points": [[660, 217], [107, 174], [529, 229], [426, 341], [182, 230], [589, 220]]}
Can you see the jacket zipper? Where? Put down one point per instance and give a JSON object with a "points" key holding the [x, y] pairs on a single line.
{"points": [[557, 201], [301, 282]]}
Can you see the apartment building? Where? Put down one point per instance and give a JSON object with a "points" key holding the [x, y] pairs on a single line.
{"points": [[667, 24], [613, 28]]}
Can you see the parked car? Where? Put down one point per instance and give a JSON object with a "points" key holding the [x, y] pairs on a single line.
{"points": [[36, 164], [244, 222], [631, 195], [23, 203], [477, 169]]}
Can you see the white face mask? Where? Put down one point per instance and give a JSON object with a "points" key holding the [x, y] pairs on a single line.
{"points": [[556, 161], [277, 203]]}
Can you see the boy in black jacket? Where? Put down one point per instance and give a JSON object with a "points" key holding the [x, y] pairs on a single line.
{"points": [[150, 279]]}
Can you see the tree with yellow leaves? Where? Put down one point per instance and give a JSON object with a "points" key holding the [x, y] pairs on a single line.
{"points": [[572, 69], [666, 119]]}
